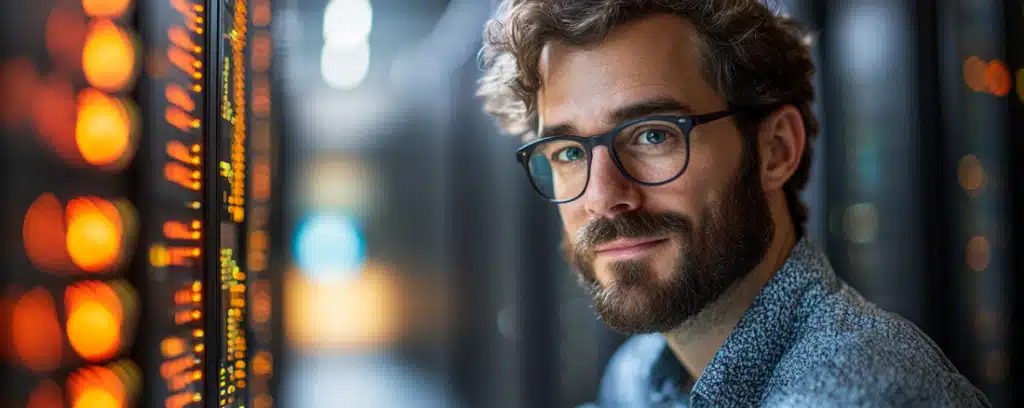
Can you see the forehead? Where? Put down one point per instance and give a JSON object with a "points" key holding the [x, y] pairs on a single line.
{"points": [[657, 57]]}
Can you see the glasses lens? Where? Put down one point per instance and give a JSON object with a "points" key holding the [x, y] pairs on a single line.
{"points": [[652, 151], [558, 169]]}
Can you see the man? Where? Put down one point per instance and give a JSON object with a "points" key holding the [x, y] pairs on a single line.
{"points": [[674, 136]]}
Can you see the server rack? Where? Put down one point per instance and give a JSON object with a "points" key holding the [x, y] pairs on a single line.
{"points": [[919, 139], [978, 98], [139, 223]]}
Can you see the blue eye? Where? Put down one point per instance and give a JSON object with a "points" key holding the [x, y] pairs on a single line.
{"points": [[569, 154], [652, 137]]}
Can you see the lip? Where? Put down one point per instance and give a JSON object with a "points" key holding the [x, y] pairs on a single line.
{"points": [[629, 248]]}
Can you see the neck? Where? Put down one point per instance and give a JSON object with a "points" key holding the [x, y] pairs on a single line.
{"points": [[696, 341]]}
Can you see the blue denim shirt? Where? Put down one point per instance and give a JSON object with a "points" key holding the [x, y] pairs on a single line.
{"points": [[808, 340]]}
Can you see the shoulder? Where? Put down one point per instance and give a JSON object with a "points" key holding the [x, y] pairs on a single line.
{"points": [[627, 377], [850, 352]]}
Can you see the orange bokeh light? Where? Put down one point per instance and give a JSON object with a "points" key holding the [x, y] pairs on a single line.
{"points": [[95, 232], [177, 95], [374, 295], [261, 97], [43, 235], [261, 178], [46, 395], [35, 331], [182, 38], [179, 119], [979, 253], [172, 347], [261, 303], [96, 387], [95, 318], [970, 173], [997, 76], [184, 60], [261, 14], [262, 363], [108, 57], [104, 128], [105, 8], [974, 74], [96, 398], [179, 174], [178, 151], [261, 50]]}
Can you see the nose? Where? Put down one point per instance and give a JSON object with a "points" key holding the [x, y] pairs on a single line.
{"points": [[609, 192]]}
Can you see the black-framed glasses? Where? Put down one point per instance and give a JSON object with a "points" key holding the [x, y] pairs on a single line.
{"points": [[650, 151]]}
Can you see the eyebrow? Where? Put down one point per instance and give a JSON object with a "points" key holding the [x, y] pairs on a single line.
{"points": [[625, 113]]}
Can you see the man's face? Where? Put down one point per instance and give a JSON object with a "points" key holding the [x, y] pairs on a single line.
{"points": [[653, 257]]}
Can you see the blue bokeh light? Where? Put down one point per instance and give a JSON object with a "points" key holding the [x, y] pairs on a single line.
{"points": [[329, 247]]}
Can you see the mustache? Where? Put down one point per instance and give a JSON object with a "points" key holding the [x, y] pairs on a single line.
{"points": [[627, 225]]}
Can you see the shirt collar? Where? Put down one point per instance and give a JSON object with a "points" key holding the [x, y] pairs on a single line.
{"points": [[739, 372]]}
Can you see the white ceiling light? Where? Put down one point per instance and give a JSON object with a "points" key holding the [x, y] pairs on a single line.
{"points": [[347, 22], [345, 67]]}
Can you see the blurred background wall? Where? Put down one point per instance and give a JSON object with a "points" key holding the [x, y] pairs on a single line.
{"points": [[912, 193]]}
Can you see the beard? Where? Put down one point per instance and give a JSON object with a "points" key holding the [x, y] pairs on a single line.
{"points": [[722, 250]]}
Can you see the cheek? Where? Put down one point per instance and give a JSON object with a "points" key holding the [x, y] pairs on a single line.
{"points": [[574, 216], [686, 195], [707, 175]]}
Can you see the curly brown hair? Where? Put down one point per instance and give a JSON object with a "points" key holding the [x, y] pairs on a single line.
{"points": [[752, 56]]}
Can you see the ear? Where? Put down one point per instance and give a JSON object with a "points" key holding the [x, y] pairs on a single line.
{"points": [[781, 143]]}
